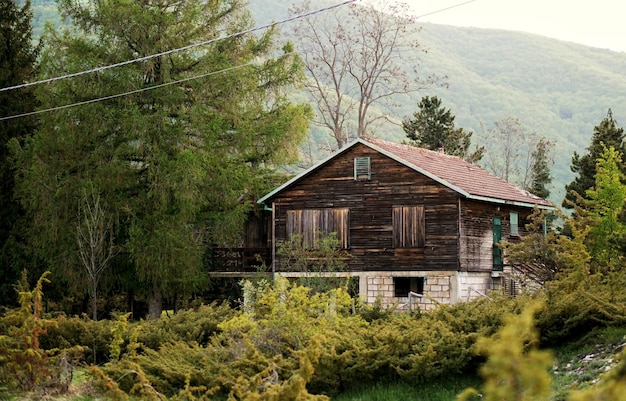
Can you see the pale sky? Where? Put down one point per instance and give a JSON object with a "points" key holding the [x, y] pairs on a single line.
{"points": [[597, 23]]}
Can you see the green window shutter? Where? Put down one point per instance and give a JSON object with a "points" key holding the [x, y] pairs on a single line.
{"points": [[514, 222], [497, 237]]}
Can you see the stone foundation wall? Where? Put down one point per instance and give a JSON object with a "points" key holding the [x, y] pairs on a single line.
{"points": [[445, 287], [438, 289], [473, 285]]}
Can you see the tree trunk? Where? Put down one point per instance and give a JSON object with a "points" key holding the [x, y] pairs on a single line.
{"points": [[155, 304], [94, 304]]}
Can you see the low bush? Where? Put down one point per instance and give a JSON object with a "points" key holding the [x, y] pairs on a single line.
{"points": [[24, 363]]}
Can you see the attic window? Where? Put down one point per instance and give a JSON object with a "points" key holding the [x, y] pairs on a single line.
{"points": [[362, 169]]}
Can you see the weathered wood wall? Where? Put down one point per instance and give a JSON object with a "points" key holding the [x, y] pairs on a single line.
{"points": [[371, 204], [476, 232]]}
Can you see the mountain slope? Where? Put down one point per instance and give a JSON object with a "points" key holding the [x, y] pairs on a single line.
{"points": [[557, 89]]}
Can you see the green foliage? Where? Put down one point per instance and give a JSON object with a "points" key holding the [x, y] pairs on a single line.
{"points": [[544, 252], [515, 368], [68, 332], [24, 364], [541, 161], [197, 325], [170, 162], [261, 387], [264, 349], [268, 354], [442, 389], [605, 206], [433, 128], [324, 257], [17, 66], [606, 134]]}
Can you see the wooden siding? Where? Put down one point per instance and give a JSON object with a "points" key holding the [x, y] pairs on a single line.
{"points": [[476, 232], [371, 203]]}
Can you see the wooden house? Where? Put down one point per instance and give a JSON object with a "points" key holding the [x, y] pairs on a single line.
{"points": [[414, 221]]}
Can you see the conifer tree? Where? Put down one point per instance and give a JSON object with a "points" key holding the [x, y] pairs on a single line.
{"points": [[605, 204], [540, 176], [607, 133], [179, 160], [433, 128], [17, 66]]}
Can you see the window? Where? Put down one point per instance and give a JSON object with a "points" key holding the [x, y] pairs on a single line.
{"points": [[312, 223], [403, 285], [409, 227], [513, 220], [362, 169]]}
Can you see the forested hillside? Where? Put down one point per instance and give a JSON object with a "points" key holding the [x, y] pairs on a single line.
{"points": [[557, 89]]}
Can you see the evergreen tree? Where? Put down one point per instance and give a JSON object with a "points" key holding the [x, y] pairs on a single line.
{"points": [[540, 176], [179, 160], [604, 206], [608, 134], [433, 128], [17, 66]]}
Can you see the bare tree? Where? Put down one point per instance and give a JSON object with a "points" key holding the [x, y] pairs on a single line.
{"points": [[518, 155], [503, 158], [94, 237], [358, 58]]}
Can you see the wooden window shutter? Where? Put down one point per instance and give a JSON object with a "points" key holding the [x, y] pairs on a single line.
{"points": [[409, 227], [340, 223], [362, 169], [294, 223], [311, 223]]}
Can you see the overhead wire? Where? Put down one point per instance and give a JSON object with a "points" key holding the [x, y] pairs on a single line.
{"points": [[179, 49], [148, 88], [174, 51], [446, 8]]}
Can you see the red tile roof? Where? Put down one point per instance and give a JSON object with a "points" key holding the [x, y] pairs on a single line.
{"points": [[455, 173]]}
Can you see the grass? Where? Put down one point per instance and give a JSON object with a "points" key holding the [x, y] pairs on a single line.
{"points": [[445, 389], [579, 363]]}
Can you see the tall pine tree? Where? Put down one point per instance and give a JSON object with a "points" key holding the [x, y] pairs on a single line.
{"points": [[605, 135], [604, 206], [176, 163], [540, 177], [433, 128], [17, 66]]}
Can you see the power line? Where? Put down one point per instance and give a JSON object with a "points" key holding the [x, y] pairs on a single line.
{"points": [[172, 51], [445, 9], [100, 99], [188, 47]]}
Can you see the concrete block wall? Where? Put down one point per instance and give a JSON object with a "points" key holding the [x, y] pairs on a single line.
{"points": [[444, 287], [438, 289], [472, 285]]}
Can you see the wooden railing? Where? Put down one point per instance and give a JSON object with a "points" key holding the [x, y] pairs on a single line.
{"points": [[239, 259]]}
